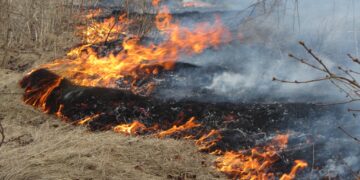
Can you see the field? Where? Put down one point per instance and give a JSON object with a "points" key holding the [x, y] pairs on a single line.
{"points": [[39, 146]]}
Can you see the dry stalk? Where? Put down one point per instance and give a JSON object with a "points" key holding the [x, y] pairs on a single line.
{"points": [[2, 134]]}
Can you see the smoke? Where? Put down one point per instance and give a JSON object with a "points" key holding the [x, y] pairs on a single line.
{"points": [[328, 27], [242, 72], [248, 66]]}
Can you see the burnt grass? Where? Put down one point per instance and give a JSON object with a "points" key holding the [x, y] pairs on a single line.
{"points": [[242, 125]]}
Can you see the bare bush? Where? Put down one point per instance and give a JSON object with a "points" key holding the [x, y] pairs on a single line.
{"points": [[344, 78], [33, 23]]}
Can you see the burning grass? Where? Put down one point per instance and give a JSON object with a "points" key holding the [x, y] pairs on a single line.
{"points": [[84, 66], [88, 68]]}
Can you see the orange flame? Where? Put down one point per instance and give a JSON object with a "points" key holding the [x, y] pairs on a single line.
{"points": [[197, 4], [298, 165], [93, 13], [108, 30], [281, 140], [87, 119], [85, 67], [256, 164], [207, 141], [244, 166], [156, 2], [188, 125], [130, 129], [40, 95]]}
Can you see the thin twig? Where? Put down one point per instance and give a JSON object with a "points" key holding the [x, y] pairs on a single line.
{"points": [[315, 57], [355, 60], [301, 82], [346, 81], [305, 62], [107, 37], [348, 134], [338, 103]]}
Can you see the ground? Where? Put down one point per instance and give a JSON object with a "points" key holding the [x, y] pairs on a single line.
{"points": [[40, 146]]}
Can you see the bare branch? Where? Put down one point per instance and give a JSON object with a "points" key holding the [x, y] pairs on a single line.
{"points": [[315, 57], [338, 103], [345, 80], [306, 63], [348, 134], [355, 72], [355, 60], [301, 82]]}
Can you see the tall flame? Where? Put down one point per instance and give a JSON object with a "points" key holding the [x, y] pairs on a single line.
{"points": [[86, 67], [107, 30]]}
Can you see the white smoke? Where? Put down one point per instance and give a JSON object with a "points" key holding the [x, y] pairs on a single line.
{"points": [[329, 27], [326, 26]]}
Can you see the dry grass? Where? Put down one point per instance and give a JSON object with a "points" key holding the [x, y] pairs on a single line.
{"points": [[34, 27], [41, 147], [35, 23], [38, 146]]}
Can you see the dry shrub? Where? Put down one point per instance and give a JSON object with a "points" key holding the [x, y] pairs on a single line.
{"points": [[37, 27], [37, 23]]}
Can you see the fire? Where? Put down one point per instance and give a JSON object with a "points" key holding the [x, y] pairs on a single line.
{"points": [[239, 165], [93, 13], [188, 125], [281, 140], [156, 2], [38, 96], [298, 165], [84, 66], [208, 141], [88, 119], [108, 30], [130, 129], [196, 4], [256, 164]]}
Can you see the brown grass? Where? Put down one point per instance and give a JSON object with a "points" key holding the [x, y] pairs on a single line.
{"points": [[39, 146], [35, 23]]}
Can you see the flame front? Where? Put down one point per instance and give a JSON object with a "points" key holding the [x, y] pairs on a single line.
{"points": [[256, 163], [208, 141], [298, 165], [38, 96], [130, 129], [84, 66], [188, 125]]}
